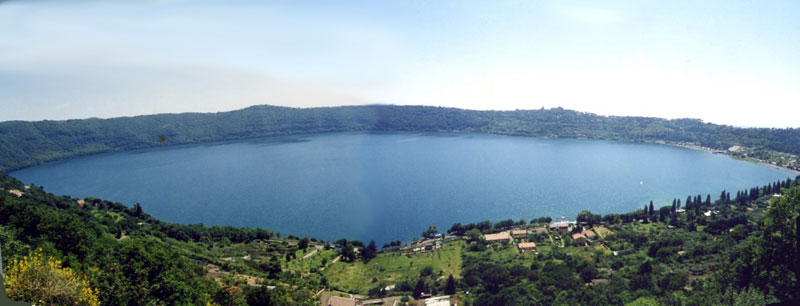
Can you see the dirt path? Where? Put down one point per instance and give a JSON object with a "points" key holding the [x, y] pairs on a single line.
{"points": [[316, 249], [551, 238], [310, 254]]}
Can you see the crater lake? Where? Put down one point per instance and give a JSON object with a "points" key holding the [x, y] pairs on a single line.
{"points": [[392, 186]]}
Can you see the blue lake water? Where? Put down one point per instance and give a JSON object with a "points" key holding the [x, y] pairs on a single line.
{"points": [[392, 186]]}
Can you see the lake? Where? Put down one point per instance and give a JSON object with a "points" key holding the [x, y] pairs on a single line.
{"points": [[384, 187]]}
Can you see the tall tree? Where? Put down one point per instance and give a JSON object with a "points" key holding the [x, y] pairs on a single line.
{"points": [[652, 211], [771, 262], [369, 252], [431, 232], [450, 287], [419, 289], [348, 253]]}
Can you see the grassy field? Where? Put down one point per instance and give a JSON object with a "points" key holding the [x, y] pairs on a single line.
{"points": [[311, 263], [602, 231], [393, 267]]}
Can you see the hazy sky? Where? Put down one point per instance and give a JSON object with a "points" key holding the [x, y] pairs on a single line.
{"points": [[730, 62]]}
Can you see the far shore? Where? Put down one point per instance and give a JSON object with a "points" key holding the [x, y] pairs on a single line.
{"points": [[723, 152]]}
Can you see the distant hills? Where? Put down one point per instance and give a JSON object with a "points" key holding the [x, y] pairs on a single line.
{"points": [[24, 143]]}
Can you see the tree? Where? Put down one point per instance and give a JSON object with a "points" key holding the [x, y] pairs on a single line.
{"points": [[137, 210], [457, 229], [369, 252], [303, 243], [652, 211], [484, 226], [584, 216], [450, 287], [474, 235], [664, 212], [348, 253], [263, 296], [419, 289], [771, 262], [426, 271], [431, 232], [505, 224]]}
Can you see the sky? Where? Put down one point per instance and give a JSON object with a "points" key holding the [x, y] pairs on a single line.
{"points": [[726, 62]]}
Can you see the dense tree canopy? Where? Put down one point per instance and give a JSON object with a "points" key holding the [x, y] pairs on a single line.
{"points": [[24, 144]]}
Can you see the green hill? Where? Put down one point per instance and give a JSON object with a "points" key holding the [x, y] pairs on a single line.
{"points": [[24, 144]]}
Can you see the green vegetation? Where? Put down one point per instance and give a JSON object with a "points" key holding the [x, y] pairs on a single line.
{"points": [[24, 144], [395, 268], [732, 251], [127, 257], [740, 250]]}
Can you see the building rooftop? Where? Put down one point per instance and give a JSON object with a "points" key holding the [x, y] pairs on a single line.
{"points": [[341, 301], [519, 232], [498, 236]]}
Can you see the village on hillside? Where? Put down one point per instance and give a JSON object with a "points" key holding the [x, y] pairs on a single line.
{"points": [[524, 240]]}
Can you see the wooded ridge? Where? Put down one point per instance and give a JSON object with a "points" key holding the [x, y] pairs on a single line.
{"points": [[24, 143]]}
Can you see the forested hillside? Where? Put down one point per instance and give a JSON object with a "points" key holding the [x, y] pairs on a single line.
{"points": [[740, 250], [24, 144], [63, 251]]}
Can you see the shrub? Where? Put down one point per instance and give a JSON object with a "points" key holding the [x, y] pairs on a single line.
{"points": [[41, 280]]}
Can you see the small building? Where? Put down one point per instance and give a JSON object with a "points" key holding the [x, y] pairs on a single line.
{"points": [[15, 192], [589, 234], [598, 281], [519, 232], [527, 246], [563, 226], [579, 238], [497, 236], [341, 301], [438, 301], [81, 202]]}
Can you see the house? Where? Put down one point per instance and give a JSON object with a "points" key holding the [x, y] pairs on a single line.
{"points": [[579, 238], [341, 301], [81, 202], [438, 301], [589, 234], [519, 232], [598, 281], [527, 246], [15, 192], [563, 226], [497, 237]]}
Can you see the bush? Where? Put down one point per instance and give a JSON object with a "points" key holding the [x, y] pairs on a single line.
{"points": [[41, 280]]}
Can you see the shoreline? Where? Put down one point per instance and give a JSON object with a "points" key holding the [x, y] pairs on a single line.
{"points": [[725, 153]]}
